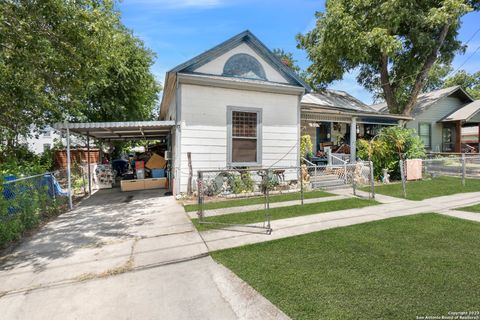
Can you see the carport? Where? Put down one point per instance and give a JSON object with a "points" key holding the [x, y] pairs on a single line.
{"points": [[114, 131]]}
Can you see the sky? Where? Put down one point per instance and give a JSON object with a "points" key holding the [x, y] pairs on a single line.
{"points": [[177, 30]]}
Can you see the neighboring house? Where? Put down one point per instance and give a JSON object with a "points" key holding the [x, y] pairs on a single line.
{"points": [[440, 117], [336, 120], [470, 135], [237, 105], [42, 141]]}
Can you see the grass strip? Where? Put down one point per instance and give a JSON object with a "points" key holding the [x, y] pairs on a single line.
{"points": [[474, 208], [429, 188], [257, 200], [398, 268], [284, 212]]}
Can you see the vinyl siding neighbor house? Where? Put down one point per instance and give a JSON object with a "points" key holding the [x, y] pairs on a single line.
{"points": [[441, 116]]}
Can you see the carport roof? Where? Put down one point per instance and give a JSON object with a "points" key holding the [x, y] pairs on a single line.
{"points": [[125, 130]]}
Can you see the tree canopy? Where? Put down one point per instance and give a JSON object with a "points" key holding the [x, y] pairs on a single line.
{"points": [[287, 59], [393, 44], [70, 60]]}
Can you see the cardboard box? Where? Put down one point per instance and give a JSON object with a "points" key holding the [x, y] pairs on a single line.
{"points": [[156, 162]]}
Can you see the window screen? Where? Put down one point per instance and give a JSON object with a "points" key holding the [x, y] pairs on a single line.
{"points": [[244, 136], [425, 133]]}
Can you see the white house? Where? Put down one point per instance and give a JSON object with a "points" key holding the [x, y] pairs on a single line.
{"points": [[235, 105], [238, 106], [41, 141]]}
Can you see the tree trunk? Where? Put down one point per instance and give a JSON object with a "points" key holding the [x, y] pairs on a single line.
{"points": [[422, 76], [386, 85]]}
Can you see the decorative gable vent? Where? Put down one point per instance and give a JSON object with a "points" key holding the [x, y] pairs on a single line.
{"points": [[243, 65]]}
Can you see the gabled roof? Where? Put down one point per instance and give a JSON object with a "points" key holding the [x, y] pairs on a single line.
{"points": [[191, 65], [258, 46], [465, 113], [425, 100]]}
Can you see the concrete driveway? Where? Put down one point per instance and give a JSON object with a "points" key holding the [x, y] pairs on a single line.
{"points": [[132, 255]]}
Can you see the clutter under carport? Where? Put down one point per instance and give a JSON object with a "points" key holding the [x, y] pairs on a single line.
{"points": [[138, 171]]}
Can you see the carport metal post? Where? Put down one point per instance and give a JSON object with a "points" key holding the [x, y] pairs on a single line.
{"points": [[69, 174], [88, 165]]}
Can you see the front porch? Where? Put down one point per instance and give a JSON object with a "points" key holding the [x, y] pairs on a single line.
{"points": [[453, 126], [334, 137]]}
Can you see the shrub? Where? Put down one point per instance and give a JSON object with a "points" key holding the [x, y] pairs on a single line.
{"points": [[389, 146], [241, 183], [306, 146]]}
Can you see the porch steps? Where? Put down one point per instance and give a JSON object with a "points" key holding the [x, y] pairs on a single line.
{"points": [[329, 181]]}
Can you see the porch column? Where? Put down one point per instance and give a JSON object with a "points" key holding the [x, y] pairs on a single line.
{"points": [[353, 140], [478, 137], [458, 136]]}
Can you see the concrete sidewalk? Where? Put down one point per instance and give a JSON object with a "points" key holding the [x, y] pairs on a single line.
{"points": [[393, 207], [123, 256]]}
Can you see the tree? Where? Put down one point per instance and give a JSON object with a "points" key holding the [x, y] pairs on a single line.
{"points": [[439, 78], [468, 81], [69, 60], [287, 59], [393, 43]]}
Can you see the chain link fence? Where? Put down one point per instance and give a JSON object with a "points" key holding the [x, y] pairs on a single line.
{"points": [[25, 201], [459, 169], [263, 186]]}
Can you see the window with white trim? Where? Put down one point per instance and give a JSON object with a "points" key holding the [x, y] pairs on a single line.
{"points": [[425, 133], [244, 137]]}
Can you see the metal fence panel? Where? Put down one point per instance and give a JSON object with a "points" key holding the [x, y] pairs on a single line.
{"points": [[260, 184], [464, 167]]}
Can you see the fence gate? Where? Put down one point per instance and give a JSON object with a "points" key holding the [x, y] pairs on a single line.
{"points": [[249, 187], [242, 198]]}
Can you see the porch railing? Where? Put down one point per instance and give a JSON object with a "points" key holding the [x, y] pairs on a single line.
{"points": [[335, 160]]}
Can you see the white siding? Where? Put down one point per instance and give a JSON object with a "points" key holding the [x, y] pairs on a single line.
{"points": [[434, 113], [216, 66], [171, 112], [204, 126]]}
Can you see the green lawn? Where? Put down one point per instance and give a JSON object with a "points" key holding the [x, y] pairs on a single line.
{"points": [[474, 208], [399, 268], [284, 212], [257, 200], [425, 189]]}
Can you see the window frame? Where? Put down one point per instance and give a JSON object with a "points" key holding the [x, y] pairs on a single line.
{"points": [[230, 162], [429, 134]]}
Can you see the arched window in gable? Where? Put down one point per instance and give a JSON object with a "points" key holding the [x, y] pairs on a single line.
{"points": [[243, 65]]}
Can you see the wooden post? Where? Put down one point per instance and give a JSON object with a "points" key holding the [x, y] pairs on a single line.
{"points": [[478, 137], [190, 173], [458, 136]]}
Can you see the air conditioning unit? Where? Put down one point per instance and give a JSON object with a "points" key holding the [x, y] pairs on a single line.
{"points": [[168, 155]]}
